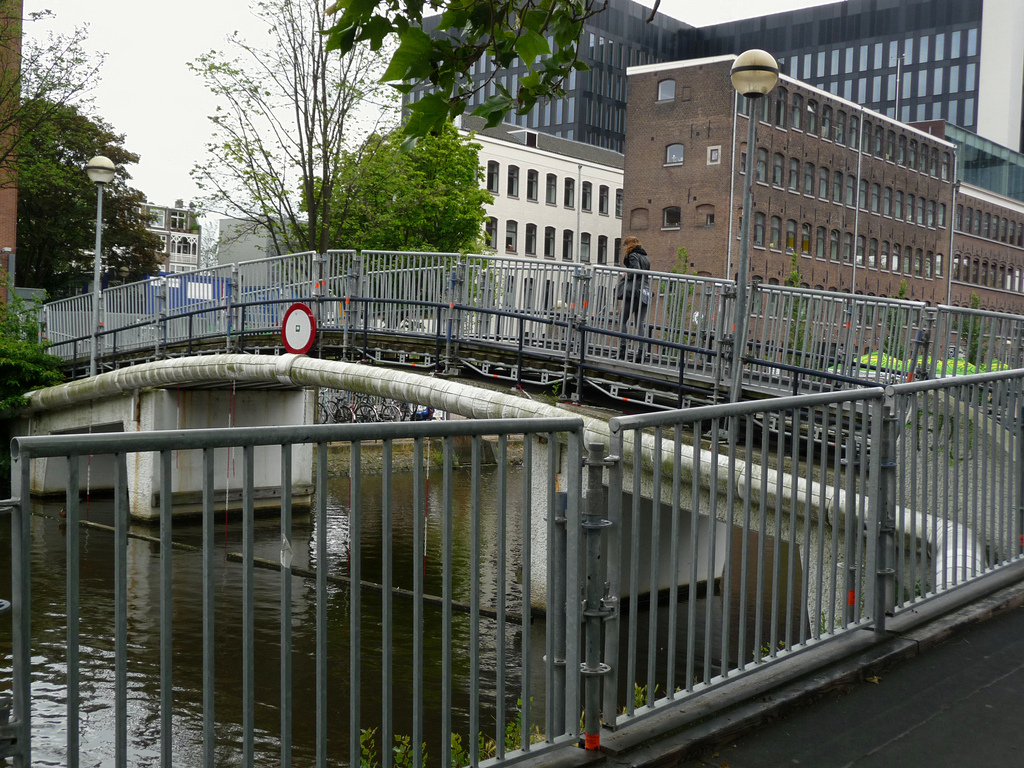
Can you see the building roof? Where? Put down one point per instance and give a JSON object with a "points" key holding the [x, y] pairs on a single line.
{"points": [[545, 142]]}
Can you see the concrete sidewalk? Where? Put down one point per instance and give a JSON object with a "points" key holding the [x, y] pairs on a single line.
{"points": [[959, 703]]}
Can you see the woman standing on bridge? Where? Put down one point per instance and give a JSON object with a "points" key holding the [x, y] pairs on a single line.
{"points": [[635, 292]]}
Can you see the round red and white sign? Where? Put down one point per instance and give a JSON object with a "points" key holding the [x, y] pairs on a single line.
{"points": [[298, 331]]}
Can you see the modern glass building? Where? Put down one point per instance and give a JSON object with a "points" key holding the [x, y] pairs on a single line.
{"points": [[961, 61]]}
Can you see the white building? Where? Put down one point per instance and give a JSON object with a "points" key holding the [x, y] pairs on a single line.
{"points": [[553, 198], [178, 229]]}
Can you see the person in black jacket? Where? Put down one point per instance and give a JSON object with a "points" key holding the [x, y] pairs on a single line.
{"points": [[635, 292]]}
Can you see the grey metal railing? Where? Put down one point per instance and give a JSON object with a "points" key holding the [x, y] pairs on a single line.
{"points": [[799, 340], [813, 515], [491, 574], [729, 538]]}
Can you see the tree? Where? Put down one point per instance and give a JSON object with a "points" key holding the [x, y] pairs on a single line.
{"points": [[466, 30], [427, 197], [24, 363], [280, 133], [49, 72], [57, 204]]}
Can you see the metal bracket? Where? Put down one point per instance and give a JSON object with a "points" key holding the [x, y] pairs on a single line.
{"points": [[606, 461]]}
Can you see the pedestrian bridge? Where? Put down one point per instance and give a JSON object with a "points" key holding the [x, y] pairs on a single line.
{"points": [[536, 322], [796, 521]]}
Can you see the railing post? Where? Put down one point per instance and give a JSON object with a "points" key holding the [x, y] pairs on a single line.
{"points": [[921, 344], [613, 565], [580, 278], [882, 533], [229, 298], [726, 345], [20, 725], [597, 606], [454, 327], [1020, 464], [161, 315]]}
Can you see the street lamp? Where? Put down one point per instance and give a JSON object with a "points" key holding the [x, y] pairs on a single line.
{"points": [[754, 74], [100, 171]]}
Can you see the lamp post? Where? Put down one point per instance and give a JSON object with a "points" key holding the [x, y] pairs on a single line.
{"points": [[754, 74], [100, 171]]}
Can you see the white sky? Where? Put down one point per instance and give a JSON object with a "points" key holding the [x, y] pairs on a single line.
{"points": [[147, 93]]}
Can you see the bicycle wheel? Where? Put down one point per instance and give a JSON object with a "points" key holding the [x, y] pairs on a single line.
{"points": [[343, 414], [390, 413], [365, 413], [323, 413]]}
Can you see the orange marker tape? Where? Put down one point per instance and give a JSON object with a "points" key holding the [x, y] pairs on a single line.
{"points": [[592, 741], [850, 597]]}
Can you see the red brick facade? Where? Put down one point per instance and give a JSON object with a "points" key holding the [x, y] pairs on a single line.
{"points": [[844, 198]]}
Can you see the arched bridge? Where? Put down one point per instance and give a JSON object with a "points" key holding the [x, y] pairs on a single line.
{"points": [[541, 322]]}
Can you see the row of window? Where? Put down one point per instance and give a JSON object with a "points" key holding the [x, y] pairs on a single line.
{"points": [[992, 227], [979, 272], [793, 113], [819, 181], [836, 246], [870, 57], [551, 189], [550, 244]]}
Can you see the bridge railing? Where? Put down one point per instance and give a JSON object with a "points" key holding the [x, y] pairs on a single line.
{"points": [[779, 524], [444, 658], [480, 308]]}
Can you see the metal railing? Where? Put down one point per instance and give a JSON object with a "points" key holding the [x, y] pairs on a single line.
{"points": [[813, 515], [495, 597], [475, 310], [731, 537]]}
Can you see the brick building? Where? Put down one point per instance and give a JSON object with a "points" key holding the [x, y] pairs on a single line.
{"points": [[843, 199]]}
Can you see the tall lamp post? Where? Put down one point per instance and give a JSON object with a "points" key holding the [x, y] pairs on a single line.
{"points": [[100, 171], [753, 75]]}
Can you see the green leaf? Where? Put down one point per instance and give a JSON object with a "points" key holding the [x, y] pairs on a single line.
{"points": [[412, 59], [530, 45]]}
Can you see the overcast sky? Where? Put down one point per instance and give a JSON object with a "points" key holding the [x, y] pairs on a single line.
{"points": [[148, 94]]}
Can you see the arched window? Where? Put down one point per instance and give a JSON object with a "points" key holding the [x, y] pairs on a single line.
{"points": [[879, 139], [866, 137], [837, 187], [854, 132], [511, 237], [530, 245], [930, 220], [674, 154], [910, 208], [890, 145], [823, 183], [908, 257], [977, 221], [569, 198], [796, 111], [794, 174], [887, 201], [670, 217], [959, 217], [820, 237], [860, 250], [872, 253], [918, 266], [602, 249], [759, 229], [812, 116], [945, 166], [775, 233], [566, 245], [988, 225], [883, 255], [549, 242], [808, 178], [912, 155], [840, 127], [826, 122], [897, 205], [778, 169], [512, 188], [551, 190], [901, 151], [781, 105], [491, 231], [705, 215], [851, 183], [920, 211], [847, 247], [896, 257], [805, 239], [493, 170], [666, 90], [584, 246], [833, 245], [938, 265], [790, 236], [587, 196], [762, 164]]}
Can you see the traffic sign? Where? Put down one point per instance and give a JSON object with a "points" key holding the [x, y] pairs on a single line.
{"points": [[298, 331]]}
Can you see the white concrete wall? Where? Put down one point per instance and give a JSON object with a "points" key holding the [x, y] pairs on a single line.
{"points": [[1001, 72]]}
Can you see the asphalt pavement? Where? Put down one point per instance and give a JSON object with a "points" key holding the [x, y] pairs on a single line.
{"points": [[959, 703]]}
